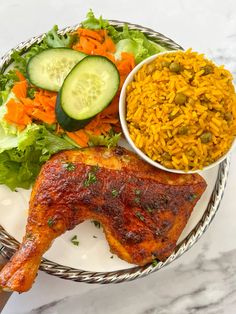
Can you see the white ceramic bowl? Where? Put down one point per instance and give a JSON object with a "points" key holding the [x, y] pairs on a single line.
{"points": [[122, 113]]}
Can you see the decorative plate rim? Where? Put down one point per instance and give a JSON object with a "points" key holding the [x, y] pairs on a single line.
{"points": [[10, 244]]}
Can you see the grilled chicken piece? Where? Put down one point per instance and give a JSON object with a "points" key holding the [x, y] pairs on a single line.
{"points": [[143, 210]]}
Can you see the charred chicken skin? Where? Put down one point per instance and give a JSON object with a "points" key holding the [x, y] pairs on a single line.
{"points": [[142, 209]]}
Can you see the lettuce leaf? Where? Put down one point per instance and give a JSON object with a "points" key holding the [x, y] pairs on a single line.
{"points": [[127, 40], [19, 169], [109, 140], [92, 22], [25, 153], [52, 39], [55, 40], [7, 80], [8, 129], [7, 141], [21, 59], [135, 42], [139, 47], [22, 154]]}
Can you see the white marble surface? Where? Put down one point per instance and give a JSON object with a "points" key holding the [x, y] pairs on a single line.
{"points": [[201, 281]]}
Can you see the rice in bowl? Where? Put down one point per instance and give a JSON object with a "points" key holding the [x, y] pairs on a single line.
{"points": [[181, 110]]}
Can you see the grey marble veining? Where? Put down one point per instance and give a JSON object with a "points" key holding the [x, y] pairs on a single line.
{"points": [[229, 58], [203, 281], [210, 287]]}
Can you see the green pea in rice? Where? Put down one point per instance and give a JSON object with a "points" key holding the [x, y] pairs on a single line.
{"points": [[183, 119]]}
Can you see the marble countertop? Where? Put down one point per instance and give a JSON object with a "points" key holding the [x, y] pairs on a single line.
{"points": [[204, 279]]}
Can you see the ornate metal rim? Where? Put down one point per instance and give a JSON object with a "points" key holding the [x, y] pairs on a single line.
{"points": [[10, 244]]}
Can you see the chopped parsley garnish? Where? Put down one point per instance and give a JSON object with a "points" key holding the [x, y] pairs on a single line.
{"points": [[30, 92], [69, 166], [95, 237], [51, 222], [91, 178], [192, 197], [140, 216], [137, 199], [96, 224], [111, 256], [154, 263], [29, 235], [114, 193], [95, 168], [109, 140], [74, 240], [149, 209]]}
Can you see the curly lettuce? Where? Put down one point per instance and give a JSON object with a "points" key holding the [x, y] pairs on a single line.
{"points": [[92, 22], [51, 40], [55, 40], [136, 42], [21, 59], [7, 80], [132, 41], [110, 140], [23, 154]]}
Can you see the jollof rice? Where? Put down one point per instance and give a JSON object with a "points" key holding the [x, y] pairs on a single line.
{"points": [[181, 110]]}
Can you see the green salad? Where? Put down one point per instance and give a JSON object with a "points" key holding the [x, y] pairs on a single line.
{"points": [[29, 135]]}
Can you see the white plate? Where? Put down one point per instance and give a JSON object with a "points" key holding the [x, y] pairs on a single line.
{"points": [[92, 254], [91, 260]]}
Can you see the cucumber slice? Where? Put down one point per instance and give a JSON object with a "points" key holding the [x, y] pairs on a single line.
{"points": [[86, 91], [48, 68], [65, 121]]}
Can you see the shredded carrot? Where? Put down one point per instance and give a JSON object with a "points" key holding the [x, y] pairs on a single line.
{"points": [[86, 46], [80, 137], [83, 32], [112, 109], [38, 114], [48, 93], [20, 89], [102, 32], [110, 46], [16, 114], [97, 42], [42, 108], [24, 110], [20, 76]]}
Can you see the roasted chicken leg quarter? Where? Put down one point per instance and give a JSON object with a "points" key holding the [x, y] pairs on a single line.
{"points": [[143, 210]]}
